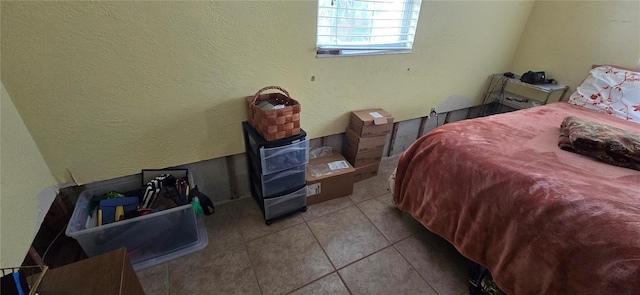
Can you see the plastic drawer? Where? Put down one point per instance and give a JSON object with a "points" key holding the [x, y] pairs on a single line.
{"points": [[275, 207], [280, 182], [286, 157], [150, 239]]}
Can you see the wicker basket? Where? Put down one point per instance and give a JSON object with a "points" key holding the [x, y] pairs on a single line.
{"points": [[274, 124]]}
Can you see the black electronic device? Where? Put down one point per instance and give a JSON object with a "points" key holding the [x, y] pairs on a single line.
{"points": [[533, 77], [481, 282]]}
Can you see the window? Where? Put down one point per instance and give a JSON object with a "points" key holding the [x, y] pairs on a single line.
{"points": [[358, 27]]}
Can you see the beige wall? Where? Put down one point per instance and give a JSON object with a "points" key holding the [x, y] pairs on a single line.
{"points": [[564, 38], [112, 87], [23, 175]]}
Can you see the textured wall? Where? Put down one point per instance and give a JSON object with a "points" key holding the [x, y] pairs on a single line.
{"points": [[564, 38], [108, 88], [23, 174]]}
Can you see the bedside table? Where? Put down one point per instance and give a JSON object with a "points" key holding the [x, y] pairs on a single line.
{"points": [[516, 95]]}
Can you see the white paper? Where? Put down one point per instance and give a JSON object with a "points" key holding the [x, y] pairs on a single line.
{"points": [[313, 189], [265, 105], [375, 115], [337, 165]]}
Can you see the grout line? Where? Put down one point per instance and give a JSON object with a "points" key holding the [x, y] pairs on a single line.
{"points": [[309, 283], [395, 248], [357, 260], [253, 270], [255, 277], [374, 195], [347, 265], [336, 268], [364, 200], [245, 242], [407, 237], [305, 222], [270, 233], [414, 269], [312, 218], [374, 225], [322, 248], [344, 283], [242, 235], [318, 243]]}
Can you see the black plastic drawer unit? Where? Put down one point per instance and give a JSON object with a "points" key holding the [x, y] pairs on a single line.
{"points": [[277, 172]]}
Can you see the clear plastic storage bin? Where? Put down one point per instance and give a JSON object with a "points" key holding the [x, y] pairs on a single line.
{"points": [[150, 239], [283, 181], [278, 155], [274, 207], [282, 158]]}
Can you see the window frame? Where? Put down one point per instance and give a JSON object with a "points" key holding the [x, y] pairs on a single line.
{"points": [[398, 47]]}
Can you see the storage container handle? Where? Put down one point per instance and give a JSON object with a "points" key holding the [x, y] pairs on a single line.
{"points": [[286, 93], [286, 150], [283, 174], [296, 194]]}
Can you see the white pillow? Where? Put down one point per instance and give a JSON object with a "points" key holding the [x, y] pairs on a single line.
{"points": [[612, 91]]}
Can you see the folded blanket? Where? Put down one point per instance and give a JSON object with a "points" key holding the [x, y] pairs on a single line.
{"points": [[608, 144]]}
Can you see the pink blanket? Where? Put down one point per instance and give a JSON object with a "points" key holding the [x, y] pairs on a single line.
{"points": [[543, 220]]}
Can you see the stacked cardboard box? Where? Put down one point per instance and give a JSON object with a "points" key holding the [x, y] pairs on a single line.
{"points": [[365, 139]]}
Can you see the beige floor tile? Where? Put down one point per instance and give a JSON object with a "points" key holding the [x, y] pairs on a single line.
{"points": [[347, 235], [326, 207], [154, 280], [387, 199], [437, 261], [287, 260], [394, 224], [222, 229], [227, 272], [250, 220], [368, 189], [384, 272], [331, 284]]}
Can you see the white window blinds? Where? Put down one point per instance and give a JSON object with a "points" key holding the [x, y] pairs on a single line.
{"points": [[366, 25]]}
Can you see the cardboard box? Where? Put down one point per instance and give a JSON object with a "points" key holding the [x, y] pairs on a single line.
{"points": [[360, 151], [364, 144], [112, 271], [359, 159], [371, 122], [366, 171], [328, 178]]}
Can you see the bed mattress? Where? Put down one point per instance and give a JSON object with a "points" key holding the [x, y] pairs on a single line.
{"points": [[543, 220]]}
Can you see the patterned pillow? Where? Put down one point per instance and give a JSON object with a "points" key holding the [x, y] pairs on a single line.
{"points": [[612, 91]]}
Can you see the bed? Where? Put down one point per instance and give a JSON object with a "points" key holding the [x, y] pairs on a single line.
{"points": [[543, 220]]}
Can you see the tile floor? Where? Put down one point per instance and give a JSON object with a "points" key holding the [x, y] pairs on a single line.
{"points": [[359, 244]]}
